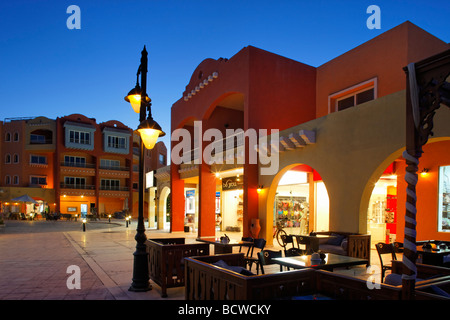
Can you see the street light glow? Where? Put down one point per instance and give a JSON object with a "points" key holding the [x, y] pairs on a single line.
{"points": [[135, 101], [149, 137]]}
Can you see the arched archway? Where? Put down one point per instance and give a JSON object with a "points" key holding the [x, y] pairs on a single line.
{"points": [[381, 205], [164, 209], [378, 204], [297, 198]]}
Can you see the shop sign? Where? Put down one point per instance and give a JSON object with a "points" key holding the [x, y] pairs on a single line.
{"points": [[231, 183], [190, 193]]}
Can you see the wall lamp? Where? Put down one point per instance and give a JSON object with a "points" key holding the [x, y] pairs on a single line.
{"points": [[259, 189], [424, 172]]}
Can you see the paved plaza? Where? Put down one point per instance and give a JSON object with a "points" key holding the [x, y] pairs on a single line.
{"points": [[36, 256]]}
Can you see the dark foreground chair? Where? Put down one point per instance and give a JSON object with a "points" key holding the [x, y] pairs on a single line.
{"points": [[249, 259], [384, 249], [265, 258]]}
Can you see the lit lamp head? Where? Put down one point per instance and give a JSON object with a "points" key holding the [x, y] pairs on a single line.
{"points": [[150, 130], [134, 98], [424, 172]]}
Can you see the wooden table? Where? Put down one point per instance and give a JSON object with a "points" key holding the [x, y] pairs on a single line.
{"points": [[223, 247], [311, 242], [330, 262], [433, 256]]}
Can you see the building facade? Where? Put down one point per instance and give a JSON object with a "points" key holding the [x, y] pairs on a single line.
{"points": [[71, 165], [337, 152], [27, 164]]}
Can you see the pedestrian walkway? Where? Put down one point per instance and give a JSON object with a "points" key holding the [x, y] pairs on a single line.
{"points": [[36, 257]]}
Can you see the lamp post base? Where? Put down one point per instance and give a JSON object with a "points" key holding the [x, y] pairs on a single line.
{"points": [[143, 289], [141, 281]]}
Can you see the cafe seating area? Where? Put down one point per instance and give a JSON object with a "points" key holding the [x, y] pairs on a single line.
{"points": [[224, 277], [246, 268], [166, 260], [208, 278]]}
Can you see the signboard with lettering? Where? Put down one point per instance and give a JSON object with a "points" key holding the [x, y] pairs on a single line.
{"points": [[231, 183]]}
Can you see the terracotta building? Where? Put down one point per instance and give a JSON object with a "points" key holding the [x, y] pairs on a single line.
{"points": [[27, 162], [341, 132], [72, 165]]}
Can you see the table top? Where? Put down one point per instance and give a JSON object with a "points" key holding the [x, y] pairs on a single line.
{"points": [[330, 261], [216, 241], [317, 236], [434, 250]]}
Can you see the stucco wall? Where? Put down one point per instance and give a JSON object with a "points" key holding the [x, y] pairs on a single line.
{"points": [[353, 148]]}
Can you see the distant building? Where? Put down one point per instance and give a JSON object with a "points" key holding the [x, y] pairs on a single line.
{"points": [[71, 165]]}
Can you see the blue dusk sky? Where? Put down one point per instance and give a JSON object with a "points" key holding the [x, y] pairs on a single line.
{"points": [[47, 69]]}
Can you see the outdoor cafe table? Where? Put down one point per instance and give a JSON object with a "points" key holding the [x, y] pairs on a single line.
{"points": [[330, 262], [433, 256], [223, 247], [311, 242]]}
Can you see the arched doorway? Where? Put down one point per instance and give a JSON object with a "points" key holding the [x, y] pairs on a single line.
{"points": [[382, 208], [164, 209], [385, 196], [379, 200], [298, 200]]}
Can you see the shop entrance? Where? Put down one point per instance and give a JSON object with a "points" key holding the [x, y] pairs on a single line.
{"points": [[301, 202], [191, 209], [84, 209], [230, 205], [382, 210]]}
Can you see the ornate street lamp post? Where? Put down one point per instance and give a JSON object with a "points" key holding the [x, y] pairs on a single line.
{"points": [[149, 132]]}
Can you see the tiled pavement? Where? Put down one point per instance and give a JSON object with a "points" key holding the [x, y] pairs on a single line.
{"points": [[35, 257]]}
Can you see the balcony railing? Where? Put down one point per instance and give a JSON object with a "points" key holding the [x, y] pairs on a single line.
{"points": [[77, 186], [114, 188], [115, 168], [92, 187], [77, 165], [92, 165], [230, 142], [43, 141]]}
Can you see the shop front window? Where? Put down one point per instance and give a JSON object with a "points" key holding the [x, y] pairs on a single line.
{"points": [[291, 207], [444, 199], [382, 210], [230, 204]]}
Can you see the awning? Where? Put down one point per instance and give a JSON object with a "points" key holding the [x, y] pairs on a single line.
{"points": [[24, 198]]}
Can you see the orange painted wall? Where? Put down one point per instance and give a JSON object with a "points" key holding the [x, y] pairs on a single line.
{"points": [[275, 93], [382, 57], [268, 82], [178, 200], [435, 154], [113, 204], [281, 91], [14, 147], [75, 202], [23, 169], [207, 197]]}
